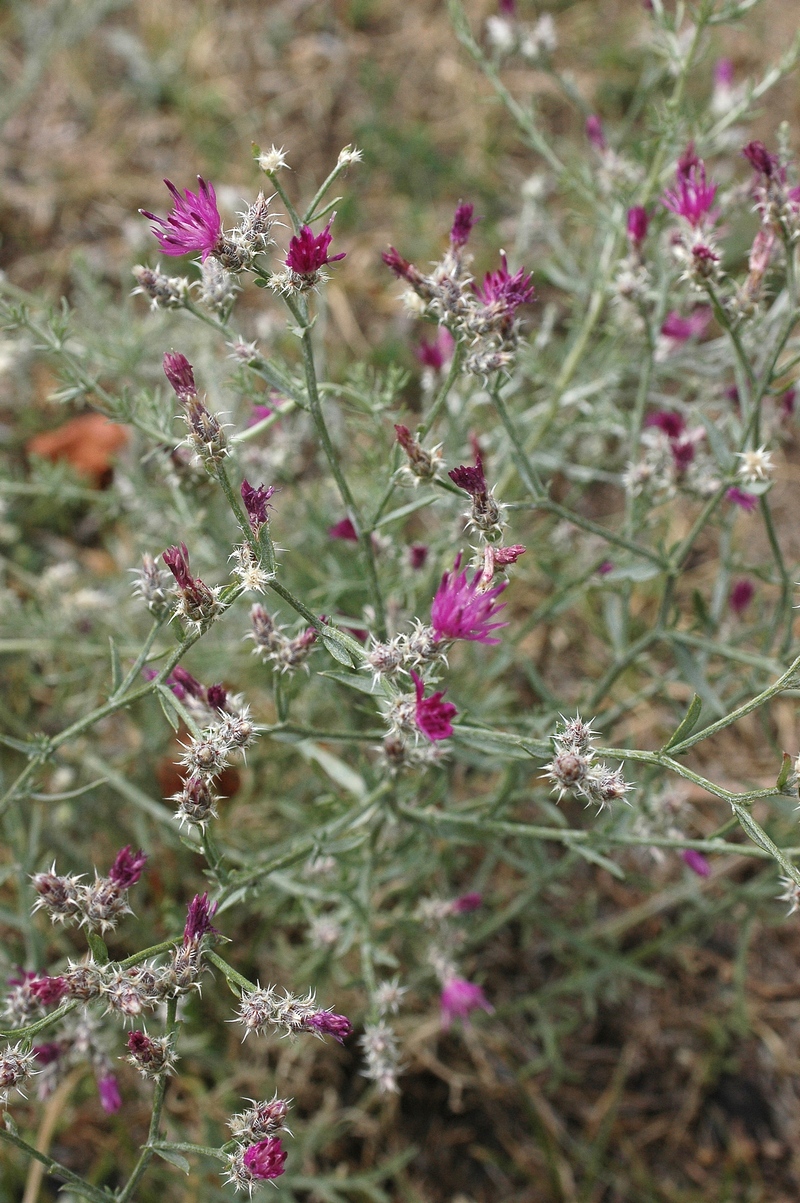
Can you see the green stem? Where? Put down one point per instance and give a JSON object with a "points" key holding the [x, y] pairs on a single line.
{"points": [[57, 1169], [159, 1094], [444, 391]]}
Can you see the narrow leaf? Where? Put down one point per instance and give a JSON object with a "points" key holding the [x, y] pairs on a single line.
{"points": [[785, 773], [116, 667], [98, 948], [687, 723], [174, 1159]]}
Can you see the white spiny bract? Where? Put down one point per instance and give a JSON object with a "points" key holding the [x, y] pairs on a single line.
{"points": [[381, 1051], [263, 1008], [16, 1067], [573, 767]]}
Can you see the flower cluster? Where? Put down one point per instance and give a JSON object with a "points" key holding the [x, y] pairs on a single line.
{"points": [[482, 315], [259, 1155], [674, 459], [198, 603], [264, 1008], [206, 436], [285, 654], [195, 224], [573, 768], [204, 757], [97, 907]]}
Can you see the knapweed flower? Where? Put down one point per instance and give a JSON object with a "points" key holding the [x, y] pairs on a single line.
{"points": [[741, 595], [198, 920], [49, 990], [198, 603], [744, 500], [151, 1055], [110, 1097], [667, 420], [256, 502], [417, 555], [638, 222], [437, 354], [16, 1066], [506, 292], [696, 862], [328, 1023], [422, 464], [760, 159], [308, 253], [180, 374], [594, 132], [128, 865], [265, 1160], [692, 197], [467, 903], [680, 329], [461, 611], [459, 998], [463, 223], [344, 530], [432, 715], [193, 225]]}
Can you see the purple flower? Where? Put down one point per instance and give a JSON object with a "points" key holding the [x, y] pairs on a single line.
{"points": [[417, 555], [745, 501], [327, 1023], [193, 225], [260, 412], [503, 556], [46, 1054], [177, 560], [696, 862], [436, 354], [638, 222], [760, 159], [667, 420], [181, 679], [217, 697], [462, 225], [308, 253], [400, 266], [471, 480], [692, 196], [467, 903], [198, 920], [49, 990], [680, 329], [256, 502], [180, 374], [504, 290], [741, 596], [265, 1160], [606, 567], [432, 715], [461, 611], [459, 997], [110, 1098], [127, 867], [594, 131], [723, 73], [683, 451], [344, 530]]}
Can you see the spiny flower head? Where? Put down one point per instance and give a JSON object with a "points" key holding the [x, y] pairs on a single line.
{"points": [[327, 1023], [470, 479], [461, 611], [128, 865], [16, 1065], [756, 465], [194, 223], [265, 1159], [49, 990], [692, 197], [432, 715], [177, 560], [761, 160], [309, 252], [180, 374]]}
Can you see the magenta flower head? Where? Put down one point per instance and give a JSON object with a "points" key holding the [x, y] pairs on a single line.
{"points": [[344, 530], [471, 480], [180, 374], [127, 868], [744, 500], [46, 1054], [181, 679], [467, 903], [459, 998], [198, 920], [328, 1023], [259, 413], [667, 420], [741, 595], [463, 222], [681, 329], [692, 196], [436, 354], [193, 225], [723, 73], [402, 268], [504, 290], [696, 862], [265, 1160], [762, 162], [594, 132], [177, 560], [417, 555], [308, 253], [638, 222], [503, 556], [461, 611], [217, 696], [432, 715], [49, 990], [606, 567], [256, 502], [110, 1097]]}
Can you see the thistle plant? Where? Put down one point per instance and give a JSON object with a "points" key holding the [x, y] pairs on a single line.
{"points": [[377, 580]]}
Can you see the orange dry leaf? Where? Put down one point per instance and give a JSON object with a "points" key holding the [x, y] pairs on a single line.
{"points": [[87, 442]]}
